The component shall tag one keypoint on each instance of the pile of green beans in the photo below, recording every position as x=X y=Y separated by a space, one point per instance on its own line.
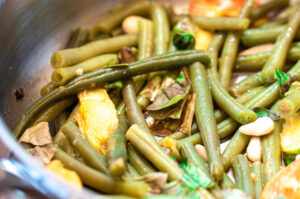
x=137 y=149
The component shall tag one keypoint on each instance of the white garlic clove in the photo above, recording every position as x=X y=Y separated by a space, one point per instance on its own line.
x=261 y=126
x=201 y=151
x=130 y=24
x=254 y=151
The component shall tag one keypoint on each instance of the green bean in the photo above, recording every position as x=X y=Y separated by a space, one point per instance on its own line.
x=274 y=23
x=90 y=155
x=266 y=8
x=205 y=118
x=141 y=165
x=257 y=182
x=256 y=36
x=133 y=110
x=257 y=61
x=194 y=139
x=51 y=111
x=116 y=149
x=280 y=50
x=290 y=104
x=242 y=174
x=61 y=119
x=236 y=110
x=161 y=28
x=230 y=48
x=150 y=149
x=271 y=150
x=145 y=43
x=249 y=82
x=47 y=88
x=78 y=38
x=231 y=106
x=99 y=181
x=98 y=78
x=264 y=99
x=62 y=75
x=69 y=57
x=114 y=19
x=221 y=23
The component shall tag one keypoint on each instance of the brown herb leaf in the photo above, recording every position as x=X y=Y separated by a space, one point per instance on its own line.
x=127 y=55
x=152 y=88
x=186 y=125
x=38 y=135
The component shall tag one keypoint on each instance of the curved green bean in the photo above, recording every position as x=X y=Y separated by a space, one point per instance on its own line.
x=90 y=155
x=230 y=48
x=256 y=36
x=98 y=78
x=249 y=82
x=242 y=174
x=205 y=118
x=161 y=28
x=138 y=162
x=114 y=19
x=51 y=111
x=221 y=23
x=71 y=56
x=99 y=181
x=280 y=50
x=264 y=9
x=150 y=149
x=257 y=61
x=116 y=149
x=61 y=76
x=257 y=182
x=131 y=172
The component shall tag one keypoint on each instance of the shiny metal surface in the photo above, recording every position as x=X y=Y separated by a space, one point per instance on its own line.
x=30 y=31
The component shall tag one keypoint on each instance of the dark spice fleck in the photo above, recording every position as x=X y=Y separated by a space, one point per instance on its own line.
x=19 y=93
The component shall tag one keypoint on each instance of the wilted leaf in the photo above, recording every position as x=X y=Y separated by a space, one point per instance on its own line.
x=152 y=88
x=174 y=90
x=231 y=194
x=186 y=125
x=127 y=55
x=43 y=154
x=156 y=181
x=167 y=81
x=263 y=112
x=38 y=135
